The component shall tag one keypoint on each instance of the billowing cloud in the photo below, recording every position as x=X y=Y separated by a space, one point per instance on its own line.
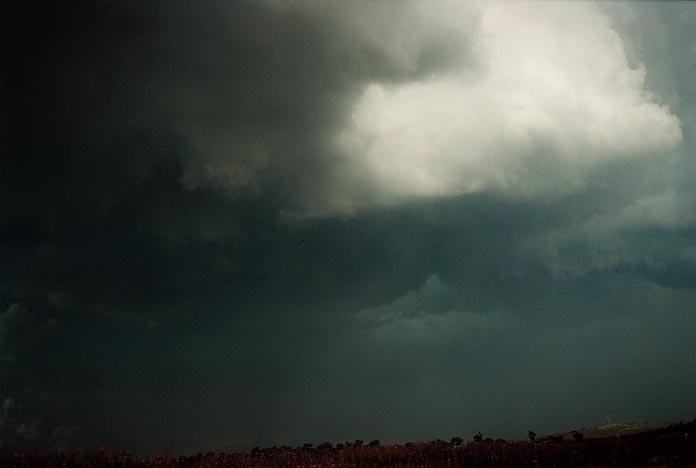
x=555 y=100
x=432 y=298
x=520 y=252
x=270 y=130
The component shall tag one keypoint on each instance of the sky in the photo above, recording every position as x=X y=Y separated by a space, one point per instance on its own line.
x=229 y=224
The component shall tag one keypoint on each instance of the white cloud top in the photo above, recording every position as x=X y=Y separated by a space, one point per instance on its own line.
x=554 y=99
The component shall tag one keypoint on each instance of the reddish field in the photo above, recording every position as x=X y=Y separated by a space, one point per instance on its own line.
x=673 y=446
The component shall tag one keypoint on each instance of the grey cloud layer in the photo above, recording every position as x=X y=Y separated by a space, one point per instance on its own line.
x=190 y=238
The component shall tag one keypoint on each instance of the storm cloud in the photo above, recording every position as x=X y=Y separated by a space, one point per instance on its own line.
x=232 y=224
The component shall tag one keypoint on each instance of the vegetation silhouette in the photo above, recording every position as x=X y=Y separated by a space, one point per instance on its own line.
x=672 y=446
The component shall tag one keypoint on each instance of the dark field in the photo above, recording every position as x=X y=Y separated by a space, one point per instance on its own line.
x=672 y=446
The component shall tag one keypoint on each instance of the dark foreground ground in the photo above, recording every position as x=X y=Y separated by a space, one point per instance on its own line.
x=671 y=446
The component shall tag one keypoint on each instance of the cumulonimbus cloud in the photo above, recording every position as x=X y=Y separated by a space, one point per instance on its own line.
x=555 y=99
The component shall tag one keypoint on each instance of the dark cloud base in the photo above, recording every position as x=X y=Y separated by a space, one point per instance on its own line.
x=145 y=305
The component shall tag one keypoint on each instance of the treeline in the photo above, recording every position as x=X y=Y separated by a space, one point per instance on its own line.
x=673 y=448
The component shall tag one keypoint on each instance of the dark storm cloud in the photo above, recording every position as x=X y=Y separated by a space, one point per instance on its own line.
x=162 y=268
x=235 y=81
x=146 y=155
x=126 y=116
